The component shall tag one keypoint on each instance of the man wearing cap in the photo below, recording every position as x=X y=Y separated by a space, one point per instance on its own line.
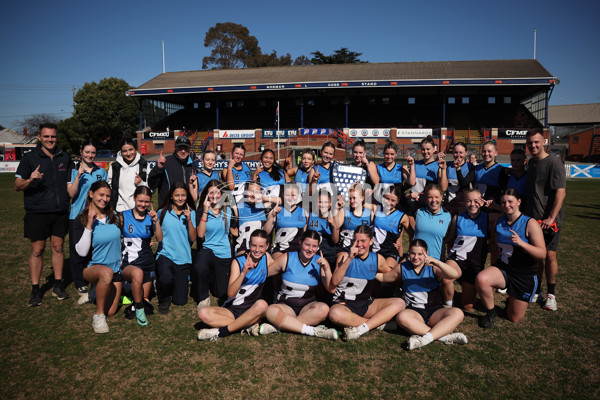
x=177 y=167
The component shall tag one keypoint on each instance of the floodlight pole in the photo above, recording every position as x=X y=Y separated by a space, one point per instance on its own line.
x=163 y=51
x=534 y=42
x=278 y=118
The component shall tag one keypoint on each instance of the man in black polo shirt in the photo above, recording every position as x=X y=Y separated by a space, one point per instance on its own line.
x=42 y=176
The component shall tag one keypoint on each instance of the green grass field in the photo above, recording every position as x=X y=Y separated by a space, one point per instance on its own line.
x=52 y=352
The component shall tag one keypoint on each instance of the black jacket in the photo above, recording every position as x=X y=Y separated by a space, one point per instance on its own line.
x=175 y=170
x=48 y=194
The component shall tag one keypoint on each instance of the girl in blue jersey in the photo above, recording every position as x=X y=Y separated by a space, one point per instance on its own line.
x=487 y=174
x=320 y=175
x=324 y=223
x=213 y=260
x=199 y=180
x=425 y=318
x=301 y=172
x=431 y=223
x=98 y=231
x=521 y=243
x=389 y=225
x=139 y=225
x=236 y=173
x=173 y=258
x=391 y=173
x=427 y=171
x=288 y=221
x=458 y=184
x=244 y=307
x=353 y=280
x=271 y=177
x=469 y=233
x=515 y=177
x=250 y=215
x=78 y=186
x=296 y=308
x=356 y=214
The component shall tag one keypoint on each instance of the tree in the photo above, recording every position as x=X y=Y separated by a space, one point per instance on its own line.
x=105 y=111
x=341 y=56
x=302 y=60
x=2 y=128
x=269 y=60
x=71 y=135
x=33 y=123
x=232 y=46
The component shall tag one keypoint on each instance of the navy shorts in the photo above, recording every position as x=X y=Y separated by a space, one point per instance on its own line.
x=520 y=287
x=425 y=313
x=148 y=270
x=40 y=226
x=237 y=310
x=551 y=239
x=358 y=307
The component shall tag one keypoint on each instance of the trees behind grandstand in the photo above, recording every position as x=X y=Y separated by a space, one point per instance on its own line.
x=234 y=47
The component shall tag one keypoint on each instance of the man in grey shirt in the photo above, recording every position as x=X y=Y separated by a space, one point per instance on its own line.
x=546 y=189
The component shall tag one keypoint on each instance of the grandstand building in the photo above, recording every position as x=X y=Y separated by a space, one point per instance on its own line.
x=469 y=101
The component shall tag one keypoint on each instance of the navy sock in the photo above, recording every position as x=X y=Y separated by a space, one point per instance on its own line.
x=224 y=331
x=551 y=287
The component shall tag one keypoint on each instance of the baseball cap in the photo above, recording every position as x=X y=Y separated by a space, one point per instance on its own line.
x=183 y=141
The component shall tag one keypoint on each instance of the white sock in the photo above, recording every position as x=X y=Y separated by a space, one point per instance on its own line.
x=308 y=330
x=362 y=329
x=427 y=338
x=449 y=303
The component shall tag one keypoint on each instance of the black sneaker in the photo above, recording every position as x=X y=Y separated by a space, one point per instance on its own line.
x=129 y=311
x=164 y=307
x=82 y=289
x=59 y=293
x=488 y=320
x=35 y=299
x=148 y=307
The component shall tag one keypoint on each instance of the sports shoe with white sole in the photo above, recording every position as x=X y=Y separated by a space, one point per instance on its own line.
x=60 y=293
x=538 y=298
x=253 y=330
x=326 y=333
x=140 y=316
x=203 y=303
x=266 y=329
x=350 y=333
x=83 y=299
x=415 y=342
x=208 y=334
x=501 y=291
x=389 y=326
x=99 y=323
x=550 y=303
x=454 y=338
x=35 y=299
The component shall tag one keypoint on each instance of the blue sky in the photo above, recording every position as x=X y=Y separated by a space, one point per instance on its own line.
x=47 y=47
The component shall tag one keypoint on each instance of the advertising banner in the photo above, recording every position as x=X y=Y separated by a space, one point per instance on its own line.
x=316 y=131
x=416 y=133
x=512 y=133
x=283 y=133
x=369 y=133
x=167 y=135
x=237 y=134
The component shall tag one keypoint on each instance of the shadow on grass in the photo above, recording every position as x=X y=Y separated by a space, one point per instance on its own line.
x=588 y=216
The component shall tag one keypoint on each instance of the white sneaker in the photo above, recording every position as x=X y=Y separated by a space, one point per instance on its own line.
x=501 y=291
x=538 y=298
x=550 y=302
x=326 y=333
x=389 y=326
x=264 y=329
x=454 y=338
x=203 y=303
x=350 y=333
x=83 y=299
x=416 y=341
x=99 y=323
x=208 y=334
x=253 y=330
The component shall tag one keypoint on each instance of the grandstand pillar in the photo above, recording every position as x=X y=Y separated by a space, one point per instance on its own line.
x=217 y=112
x=444 y=140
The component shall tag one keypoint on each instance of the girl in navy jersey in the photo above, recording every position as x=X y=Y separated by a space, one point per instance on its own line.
x=288 y=221
x=139 y=225
x=250 y=215
x=487 y=174
x=353 y=280
x=199 y=181
x=391 y=173
x=236 y=173
x=244 y=307
x=521 y=243
x=271 y=177
x=301 y=172
x=296 y=308
x=320 y=176
x=173 y=258
x=324 y=223
x=469 y=233
x=427 y=170
x=388 y=225
x=425 y=317
x=79 y=184
x=458 y=184
x=98 y=230
x=515 y=177
x=356 y=214
x=431 y=223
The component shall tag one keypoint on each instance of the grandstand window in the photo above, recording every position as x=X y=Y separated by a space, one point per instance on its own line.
x=451 y=100
x=207 y=104
x=385 y=100
x=229 y=104
x=507 y=100
x=159 y=146
x=310 y=102
x=575 y=139
x=411 y=100
x=240 y=103
x=491 y=100
x=262 y=103
x=465 y=100
x=333 y=102
x=371 y=101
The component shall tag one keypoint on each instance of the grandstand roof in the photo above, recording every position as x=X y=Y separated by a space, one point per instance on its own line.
x=431 y=73
x=574 y=114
